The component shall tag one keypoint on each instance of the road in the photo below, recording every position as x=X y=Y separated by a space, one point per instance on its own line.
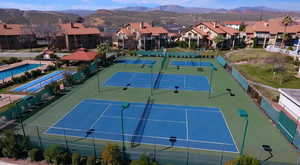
x=25 y=54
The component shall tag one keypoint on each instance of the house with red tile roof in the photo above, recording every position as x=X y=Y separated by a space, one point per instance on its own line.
x=141 y=35
x=233 y=24
x=271 y=32
x=16 y=36
x=81 y=55
x=76 y=35
x=203 y=35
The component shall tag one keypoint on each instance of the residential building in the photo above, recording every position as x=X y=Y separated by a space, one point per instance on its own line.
x=141 y=35
x=289 y=100
x=271 y=32
x=233 y=24
x=76 y=35
x=16 y=36
x=204 y=33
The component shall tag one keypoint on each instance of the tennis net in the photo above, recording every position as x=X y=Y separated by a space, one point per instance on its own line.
x=139 y=131
x=156 y=83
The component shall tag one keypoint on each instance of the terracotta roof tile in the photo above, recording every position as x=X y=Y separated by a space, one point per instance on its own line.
x=273 y=26
x=142 y=27
x=77 y=29
x=12 y=29
x=233 y=22
x=201 y=32
x=214 y=27
x=81 y=55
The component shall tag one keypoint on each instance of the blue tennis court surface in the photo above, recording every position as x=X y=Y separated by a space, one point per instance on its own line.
x=38 y=84
x=137 y=61
x=191 y=63
x=195 y=127
x=159 y=81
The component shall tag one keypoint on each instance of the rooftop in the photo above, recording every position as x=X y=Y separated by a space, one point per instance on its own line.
x=293 y=94
x=81 y=55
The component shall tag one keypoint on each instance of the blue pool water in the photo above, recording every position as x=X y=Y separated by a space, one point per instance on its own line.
x=17 y=70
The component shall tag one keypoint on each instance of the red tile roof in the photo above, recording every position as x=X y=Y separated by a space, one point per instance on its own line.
x=201 y=32
x=81 y=55
x=77 y=29
x=219 y=29
x=142 y=27
x=12 y=30
x=233 y=22
x=214 y=27
x=273 y=26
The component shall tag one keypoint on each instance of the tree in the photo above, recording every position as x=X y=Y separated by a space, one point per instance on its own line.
x=144 y=160
x=103 y=49
x=244 y=160
x=242 y=27
x=111 y=155
x=54 y=154
x=286 y=21
x=47 y=31
x=14 y=146
x=218 y=40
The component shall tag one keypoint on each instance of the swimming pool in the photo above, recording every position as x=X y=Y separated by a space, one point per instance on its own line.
x=17 y=70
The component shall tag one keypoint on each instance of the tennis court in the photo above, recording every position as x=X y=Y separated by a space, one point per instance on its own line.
x=159 y=81
x=137 y=61
x=38 y=84
x=191 y=63
x=201 y=128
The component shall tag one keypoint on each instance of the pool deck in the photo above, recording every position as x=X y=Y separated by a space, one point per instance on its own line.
x=9 y=98
x=44 y=66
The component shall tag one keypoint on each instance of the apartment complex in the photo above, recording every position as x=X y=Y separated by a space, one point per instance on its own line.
x=15 y=36
x=272 y=32
x=141 y=35
x=204 y=34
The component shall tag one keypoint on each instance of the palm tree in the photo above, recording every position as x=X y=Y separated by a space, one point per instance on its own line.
x=286 y=21
x=218 y=39
x=103 y=49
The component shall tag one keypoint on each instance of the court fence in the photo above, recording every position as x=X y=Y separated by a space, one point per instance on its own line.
x=288 y=126
x=169 y=54
x=31 y=104
x=160 y=149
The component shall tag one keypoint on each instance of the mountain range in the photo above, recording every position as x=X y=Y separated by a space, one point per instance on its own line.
x=162 y=15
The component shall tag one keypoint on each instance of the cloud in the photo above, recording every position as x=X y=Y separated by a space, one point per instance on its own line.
x=26 y=6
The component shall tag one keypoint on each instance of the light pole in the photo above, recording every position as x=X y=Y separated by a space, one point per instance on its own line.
x=212 y=68
x=244 y=115
x=124 y=107
x=98 y=80
x=151 y=86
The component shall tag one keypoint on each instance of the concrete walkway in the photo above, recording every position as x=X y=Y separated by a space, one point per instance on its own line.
x=25 y=54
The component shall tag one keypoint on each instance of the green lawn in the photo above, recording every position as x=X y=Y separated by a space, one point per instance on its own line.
x=258 y=65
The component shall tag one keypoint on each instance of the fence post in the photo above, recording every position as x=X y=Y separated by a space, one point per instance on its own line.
x=38 y=133
x=66 y=141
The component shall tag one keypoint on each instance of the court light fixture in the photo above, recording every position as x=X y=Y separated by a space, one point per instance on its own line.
x=244 y=114
x=124 y=107
x=126 y=87
x=173 y=140
x=176 y=89
x=268 y=149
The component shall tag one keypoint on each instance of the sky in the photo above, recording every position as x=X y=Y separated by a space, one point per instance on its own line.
x=113 y=4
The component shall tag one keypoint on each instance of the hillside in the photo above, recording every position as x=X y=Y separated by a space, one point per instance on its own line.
x=116 y=18
x=34 y=17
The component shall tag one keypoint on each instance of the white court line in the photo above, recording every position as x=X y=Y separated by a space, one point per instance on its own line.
x=229 y=131
x=102 y=114
x=187 y=125
x=133 y=118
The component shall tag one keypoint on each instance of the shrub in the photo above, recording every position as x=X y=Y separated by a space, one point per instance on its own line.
x=28 y=75
x=76 y=159
x=50 y=68
x=14 y=146
x=53 y=154
x=91 y=160
x=36 y=73
x=65 y=158
x=243 y=160
x=35 y=154
x=12 y=60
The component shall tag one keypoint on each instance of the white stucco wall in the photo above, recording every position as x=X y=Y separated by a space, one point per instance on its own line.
x=290 y=106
